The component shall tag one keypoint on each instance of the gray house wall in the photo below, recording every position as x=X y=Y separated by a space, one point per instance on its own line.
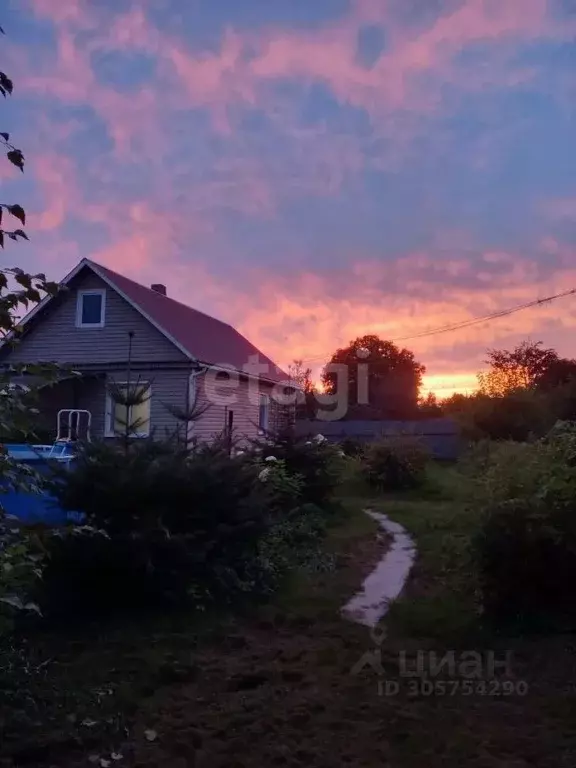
x=244 y=406
x=54 y=337
x=166 y=387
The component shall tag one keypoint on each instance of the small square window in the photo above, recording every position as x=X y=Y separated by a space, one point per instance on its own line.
x=90 y=309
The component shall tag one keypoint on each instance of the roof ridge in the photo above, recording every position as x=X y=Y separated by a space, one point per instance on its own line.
x=162 y=295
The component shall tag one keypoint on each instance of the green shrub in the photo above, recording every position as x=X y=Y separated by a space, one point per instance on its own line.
x=179 y=528
x=316 y=461
x=395 y=463
x=526 y=555
x=21 y=561
x=353 y=447
x=93 y=575
x=526 y=547
x=293 y=542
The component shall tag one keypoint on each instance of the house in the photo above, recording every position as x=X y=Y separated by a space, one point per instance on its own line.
x=117 y=334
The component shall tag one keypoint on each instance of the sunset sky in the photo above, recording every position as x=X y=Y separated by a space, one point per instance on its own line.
x=307 y=170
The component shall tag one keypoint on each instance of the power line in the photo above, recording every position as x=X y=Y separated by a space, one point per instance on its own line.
x=472 y=321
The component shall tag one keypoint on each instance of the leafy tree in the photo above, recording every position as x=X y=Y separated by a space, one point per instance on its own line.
x=382 y=380
x=520 y=368
x=559 y=373
x=18 y=290
x=307 y=404
x=429 y=407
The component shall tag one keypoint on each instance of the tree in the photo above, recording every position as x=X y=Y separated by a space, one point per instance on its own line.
x=18 y=289
x=559 y=373
x=429 y=407
x=307 y=403
x=520 y=368
x=381 y=380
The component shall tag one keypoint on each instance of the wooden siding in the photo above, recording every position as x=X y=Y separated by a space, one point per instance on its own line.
x=53 y=336
x=214 y=420
x=89 y=393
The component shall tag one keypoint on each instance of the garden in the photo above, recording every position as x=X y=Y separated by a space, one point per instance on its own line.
x=194 y=617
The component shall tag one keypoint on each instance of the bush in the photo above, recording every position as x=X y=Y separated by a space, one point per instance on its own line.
x=526 y=554
x=92 y=575
x=178 y=527
x=352 y=447
x=526 y=547
x=160 y=487
x=395 y=463
x=293 y=542
x=316 y=461
x=21 y=560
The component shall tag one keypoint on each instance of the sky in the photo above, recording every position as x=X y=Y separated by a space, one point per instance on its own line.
x=307 y=170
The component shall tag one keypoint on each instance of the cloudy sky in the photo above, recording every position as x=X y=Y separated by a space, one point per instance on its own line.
x=308 y=170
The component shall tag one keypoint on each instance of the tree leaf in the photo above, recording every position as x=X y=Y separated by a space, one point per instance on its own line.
x=5 y=135
x=1 y=239
x=21 y=233
x=16 y=157
x=18 y=212
x=6 y=83
x=12 y=600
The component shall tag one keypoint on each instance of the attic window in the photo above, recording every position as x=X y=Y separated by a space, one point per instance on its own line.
x=91 y=309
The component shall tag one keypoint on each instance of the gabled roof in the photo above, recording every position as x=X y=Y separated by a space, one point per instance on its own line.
x=200 y=337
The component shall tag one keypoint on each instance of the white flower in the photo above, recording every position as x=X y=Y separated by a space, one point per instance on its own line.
x=319 y=439
x=342 y=454
x=270 y=458
x=239 y=453
x=308 y=442
x=264 y=474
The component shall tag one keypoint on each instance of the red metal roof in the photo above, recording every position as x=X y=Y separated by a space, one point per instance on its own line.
x=203 y=337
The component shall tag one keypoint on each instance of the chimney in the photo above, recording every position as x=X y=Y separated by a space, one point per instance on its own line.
x=159 y=288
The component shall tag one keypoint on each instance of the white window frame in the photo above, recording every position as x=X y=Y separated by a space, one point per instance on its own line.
x=79 y=305
x=108 y=425
x=264 y=399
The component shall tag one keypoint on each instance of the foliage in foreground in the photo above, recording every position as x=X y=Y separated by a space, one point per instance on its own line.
x=183 y=528
x=526 y=547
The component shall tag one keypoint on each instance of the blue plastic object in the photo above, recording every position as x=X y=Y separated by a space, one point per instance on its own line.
x=37 y=507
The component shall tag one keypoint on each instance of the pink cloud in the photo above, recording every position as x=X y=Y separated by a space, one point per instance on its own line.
x=56 y=178
x=218 y=80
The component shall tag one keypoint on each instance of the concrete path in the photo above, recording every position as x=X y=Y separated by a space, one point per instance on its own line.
x=387 y=580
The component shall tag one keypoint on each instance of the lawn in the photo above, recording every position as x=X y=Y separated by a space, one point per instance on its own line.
x=281 y=685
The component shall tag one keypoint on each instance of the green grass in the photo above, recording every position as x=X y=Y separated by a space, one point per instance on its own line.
x=280 y=687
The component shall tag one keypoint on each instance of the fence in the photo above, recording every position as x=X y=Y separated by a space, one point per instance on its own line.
x=441 y=436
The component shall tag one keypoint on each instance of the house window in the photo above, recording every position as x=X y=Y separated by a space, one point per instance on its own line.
x=91 y=309
x=134 y=417
x=264 y=413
